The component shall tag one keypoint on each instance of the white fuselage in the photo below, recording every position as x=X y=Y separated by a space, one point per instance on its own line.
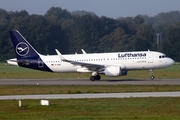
x=126 y=60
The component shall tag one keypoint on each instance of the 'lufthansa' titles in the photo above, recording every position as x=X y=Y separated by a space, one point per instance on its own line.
x=122 y=55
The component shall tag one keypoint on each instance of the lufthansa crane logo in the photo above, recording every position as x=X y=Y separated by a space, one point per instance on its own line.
x=22 y=49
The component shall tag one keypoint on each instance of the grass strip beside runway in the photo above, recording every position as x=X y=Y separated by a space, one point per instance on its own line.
x=98 y=109
x=73 y=89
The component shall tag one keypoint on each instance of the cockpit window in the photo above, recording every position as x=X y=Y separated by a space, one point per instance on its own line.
x=162 y=56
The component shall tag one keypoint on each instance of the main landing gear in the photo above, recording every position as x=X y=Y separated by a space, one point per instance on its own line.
x=151 y=74
x=97 y=77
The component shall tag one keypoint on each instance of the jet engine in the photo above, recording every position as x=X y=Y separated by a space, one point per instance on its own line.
x=114 y=71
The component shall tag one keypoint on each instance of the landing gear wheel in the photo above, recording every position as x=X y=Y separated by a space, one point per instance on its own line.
x=92 y=78
x=152 y=77
x=151 y=74
x=97 y=77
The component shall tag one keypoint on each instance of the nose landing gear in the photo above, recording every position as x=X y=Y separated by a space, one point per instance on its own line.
x=151 y=74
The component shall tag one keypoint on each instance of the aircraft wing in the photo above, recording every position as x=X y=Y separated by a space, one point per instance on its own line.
x=89 y=66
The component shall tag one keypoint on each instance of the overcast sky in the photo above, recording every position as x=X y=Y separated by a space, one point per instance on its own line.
x=109 y=8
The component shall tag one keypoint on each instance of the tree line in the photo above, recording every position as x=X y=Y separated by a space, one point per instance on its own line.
x=69 y=32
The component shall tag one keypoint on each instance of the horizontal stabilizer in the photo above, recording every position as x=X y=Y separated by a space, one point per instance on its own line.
x=12 y=61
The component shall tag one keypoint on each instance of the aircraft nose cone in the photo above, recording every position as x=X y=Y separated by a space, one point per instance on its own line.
x=171 y=62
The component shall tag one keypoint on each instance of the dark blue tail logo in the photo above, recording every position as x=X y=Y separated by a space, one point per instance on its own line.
x=26 y=55
x=22 y=49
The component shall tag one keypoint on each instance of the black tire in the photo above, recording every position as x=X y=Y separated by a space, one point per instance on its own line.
x=92 y=78
x=152 y=77
x=98 y=77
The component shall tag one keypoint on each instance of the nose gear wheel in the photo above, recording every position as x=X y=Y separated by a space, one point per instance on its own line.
x=151 y=74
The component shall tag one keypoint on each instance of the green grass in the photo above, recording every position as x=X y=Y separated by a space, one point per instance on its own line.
x=72 y=89
x=9 y=72
x=96 y=109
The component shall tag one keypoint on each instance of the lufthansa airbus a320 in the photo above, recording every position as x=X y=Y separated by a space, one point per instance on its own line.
x=110 y=64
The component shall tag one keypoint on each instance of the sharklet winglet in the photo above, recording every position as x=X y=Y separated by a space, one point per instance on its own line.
x=83 y=51
x=60 y=55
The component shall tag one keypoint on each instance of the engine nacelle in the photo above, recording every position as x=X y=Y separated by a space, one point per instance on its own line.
x=114 y=71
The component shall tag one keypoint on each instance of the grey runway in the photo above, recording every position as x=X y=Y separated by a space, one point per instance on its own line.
x=88 y=82
x=96 y=95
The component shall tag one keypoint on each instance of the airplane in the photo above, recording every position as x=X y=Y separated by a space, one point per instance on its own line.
x=110 y=64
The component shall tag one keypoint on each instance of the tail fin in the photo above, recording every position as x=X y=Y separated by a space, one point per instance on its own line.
x=21 y=46
x=26 y=55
